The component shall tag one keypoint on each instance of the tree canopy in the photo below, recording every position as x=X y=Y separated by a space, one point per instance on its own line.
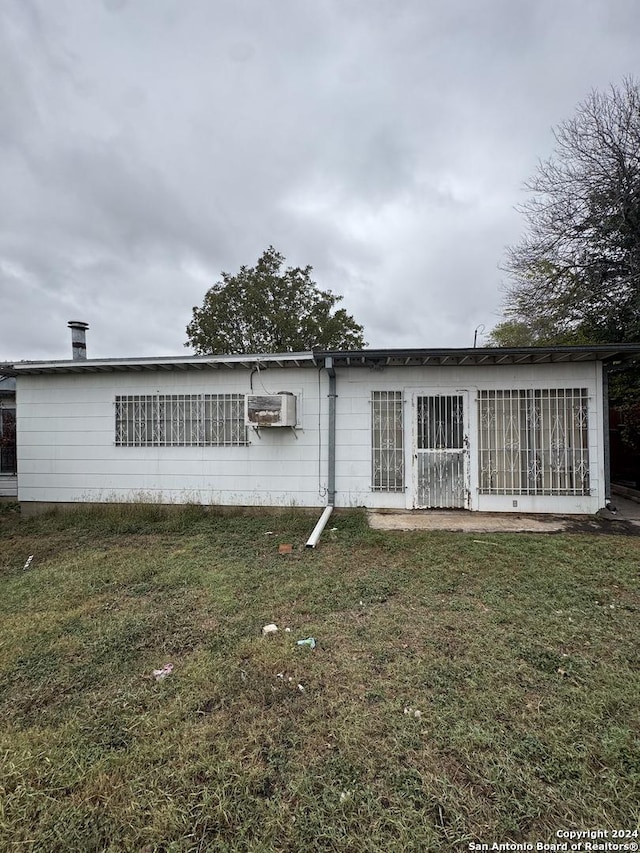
x=575 y=276
x=267 y=308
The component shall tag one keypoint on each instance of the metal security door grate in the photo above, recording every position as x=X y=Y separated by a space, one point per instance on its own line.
x=440 y=452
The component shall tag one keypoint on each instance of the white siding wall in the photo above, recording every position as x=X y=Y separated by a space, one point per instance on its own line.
x=8 y=486
x=67 y=451
x=353 y=441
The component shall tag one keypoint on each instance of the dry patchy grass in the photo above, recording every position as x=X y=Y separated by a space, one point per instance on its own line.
x=520 y=657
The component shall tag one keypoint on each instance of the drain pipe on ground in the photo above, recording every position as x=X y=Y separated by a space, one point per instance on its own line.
x=312 y=541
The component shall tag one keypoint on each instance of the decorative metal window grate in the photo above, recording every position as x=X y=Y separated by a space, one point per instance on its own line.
x=440 y=423
x=534 y=442
x=387 y=441
x=8 y=460
x=180 y=420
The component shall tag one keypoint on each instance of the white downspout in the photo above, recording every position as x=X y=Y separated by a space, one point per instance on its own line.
x=312 y=541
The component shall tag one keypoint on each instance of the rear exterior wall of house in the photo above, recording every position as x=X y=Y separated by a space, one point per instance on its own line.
x=104 y=437
x=521 y=438
x=530 y=437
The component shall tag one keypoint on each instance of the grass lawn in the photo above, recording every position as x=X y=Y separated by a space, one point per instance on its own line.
x=464 y=688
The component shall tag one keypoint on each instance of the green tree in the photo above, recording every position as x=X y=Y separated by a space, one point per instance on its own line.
x=517 y=333
x=575 y=276
x=270 y=309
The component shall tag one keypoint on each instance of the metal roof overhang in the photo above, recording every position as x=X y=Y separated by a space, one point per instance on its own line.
x=178 y=363
x=371 y=358
x=608 y=353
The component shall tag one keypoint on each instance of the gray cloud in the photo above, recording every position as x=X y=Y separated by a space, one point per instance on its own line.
x=145 y=147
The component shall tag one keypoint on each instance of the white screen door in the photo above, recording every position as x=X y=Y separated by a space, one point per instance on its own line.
x=440 y=452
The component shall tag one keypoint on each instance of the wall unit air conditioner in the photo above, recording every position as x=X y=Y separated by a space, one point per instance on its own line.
x=270 y=410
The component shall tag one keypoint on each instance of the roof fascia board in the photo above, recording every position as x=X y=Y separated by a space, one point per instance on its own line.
x=483 y=355
x=298 y=359
x=342 y=358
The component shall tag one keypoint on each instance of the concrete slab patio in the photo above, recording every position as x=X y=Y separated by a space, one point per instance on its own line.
x=626 y=520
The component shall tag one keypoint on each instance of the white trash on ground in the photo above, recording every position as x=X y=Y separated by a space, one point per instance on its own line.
x=411 y=712
x=166 y=670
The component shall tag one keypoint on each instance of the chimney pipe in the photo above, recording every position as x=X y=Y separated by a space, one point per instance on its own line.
x=78 y=339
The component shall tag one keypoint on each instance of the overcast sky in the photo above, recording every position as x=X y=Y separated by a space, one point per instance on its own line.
x=147 y=145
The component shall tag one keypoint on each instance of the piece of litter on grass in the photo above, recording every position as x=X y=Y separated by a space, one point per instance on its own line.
x=334 y=530
x=411 y=712
x=300 y=688
x=268 y=533
x=288 y=630
x=28 y=563
x=285 y=549
x=310 y=641
x=280 y=675
x=271 y=628
x=166 y=670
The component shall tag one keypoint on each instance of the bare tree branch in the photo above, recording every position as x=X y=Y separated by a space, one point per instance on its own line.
x=575 y=275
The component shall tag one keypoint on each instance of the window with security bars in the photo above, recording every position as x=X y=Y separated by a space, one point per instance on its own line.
x=387 y=441
x=534 y=442
x=180 y=420
x=8 y=461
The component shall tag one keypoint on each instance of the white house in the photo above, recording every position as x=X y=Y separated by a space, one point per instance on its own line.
x=508 y=430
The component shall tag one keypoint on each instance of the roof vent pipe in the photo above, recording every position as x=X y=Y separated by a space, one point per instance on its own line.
x=78 y=339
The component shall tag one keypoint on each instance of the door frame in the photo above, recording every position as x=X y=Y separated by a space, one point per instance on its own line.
x=412 y=445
